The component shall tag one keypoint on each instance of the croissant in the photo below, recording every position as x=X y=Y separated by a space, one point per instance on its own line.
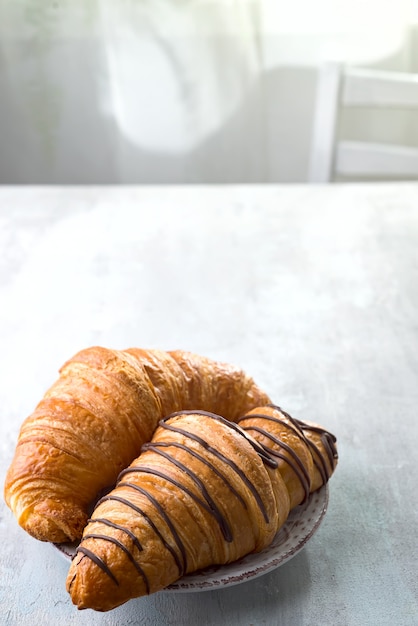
x=204 y=491
x=93 y=421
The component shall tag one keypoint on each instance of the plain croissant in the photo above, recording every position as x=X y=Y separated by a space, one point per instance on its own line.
x=93 y=421
x=204 y=491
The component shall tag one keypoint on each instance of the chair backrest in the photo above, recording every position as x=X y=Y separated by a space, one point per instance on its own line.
x=340 y=87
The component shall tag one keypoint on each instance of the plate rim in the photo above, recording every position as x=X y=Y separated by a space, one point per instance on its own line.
x=182 y=586
x=217 y=577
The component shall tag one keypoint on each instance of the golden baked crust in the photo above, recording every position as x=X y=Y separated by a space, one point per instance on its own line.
x=93 y=421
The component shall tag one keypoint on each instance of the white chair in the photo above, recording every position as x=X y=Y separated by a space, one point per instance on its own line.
x=340 y=87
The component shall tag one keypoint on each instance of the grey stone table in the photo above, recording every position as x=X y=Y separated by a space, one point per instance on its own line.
x=312 y=290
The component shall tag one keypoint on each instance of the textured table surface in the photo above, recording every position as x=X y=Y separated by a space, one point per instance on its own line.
x=312 y=290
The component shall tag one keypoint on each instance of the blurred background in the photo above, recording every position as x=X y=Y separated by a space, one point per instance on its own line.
x=184 y=91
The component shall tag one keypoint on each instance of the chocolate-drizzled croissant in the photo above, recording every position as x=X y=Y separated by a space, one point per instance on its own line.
x=204 y=491
x=93 y=421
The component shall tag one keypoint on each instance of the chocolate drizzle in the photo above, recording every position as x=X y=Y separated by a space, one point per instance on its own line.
x=182 y=567
x=269 y=456
x=328 y=441
x=207 y=503
x=266 y=458
x=174 y=444
x=130 y=534
x=293 y=460
x=299 y=428
x=143 y=514
x=221 y=456
x=99 y=562
x=120 y=545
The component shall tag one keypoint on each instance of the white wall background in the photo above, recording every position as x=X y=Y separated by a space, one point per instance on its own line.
x=122 y=91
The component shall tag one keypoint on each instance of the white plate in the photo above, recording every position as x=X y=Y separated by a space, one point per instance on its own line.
x=301 y=524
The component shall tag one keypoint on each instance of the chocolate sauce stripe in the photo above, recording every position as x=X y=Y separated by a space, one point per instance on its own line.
x=316 y=429
x=303 y=426
x=223 y=458
x=164 y=515
x=150 y=522
x=196 y=455
x=107 y=522
x=297 y=423
x=328 y=439
x=259 y=449
x=226 y=530
x=290 y=425
x=122 y=547
x=283 y=445
x=148 y=470
x=329 y=447
x=99 y=562
x=294 y=425
x=298 y=467
x=321 y=465
x=331 y=452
